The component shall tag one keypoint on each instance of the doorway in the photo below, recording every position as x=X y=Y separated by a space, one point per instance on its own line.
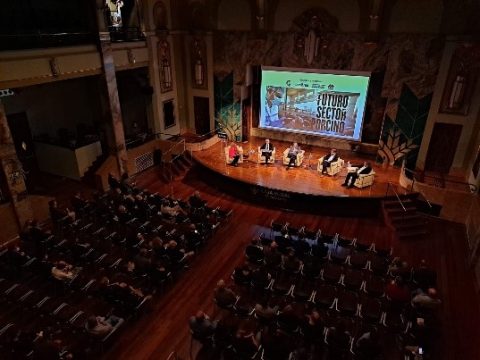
x=201 y=109
x=442 y=148
x=22 y=138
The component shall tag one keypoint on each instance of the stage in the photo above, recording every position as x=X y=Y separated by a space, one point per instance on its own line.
x=300 y=187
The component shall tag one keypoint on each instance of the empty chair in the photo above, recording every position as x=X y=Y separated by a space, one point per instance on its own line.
x=312 y=267
x=302 y=248
x=358 y=260
x=378 y=265
x=325 y=295
x=353 y=279
x=332 y=273
x=347 y=303
x=319 y=250
x=340 y=254
x=362 y=246
x=375 y=286
x=303 y=290
x=254 y=254
x=283 y=284
x=338 y=340
x=371 y=310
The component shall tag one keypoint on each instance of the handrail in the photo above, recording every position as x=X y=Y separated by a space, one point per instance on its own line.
x=473 y=187
x=419 y=190
x=157 y=134
x=428 y=201
x=170 y=150
x=389 y=184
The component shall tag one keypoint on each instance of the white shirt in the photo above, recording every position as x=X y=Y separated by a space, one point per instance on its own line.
x=330 y=159
x=361 y=169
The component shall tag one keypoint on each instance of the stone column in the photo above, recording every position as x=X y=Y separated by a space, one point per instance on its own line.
x=117 y=143
x=113 y=112
x=12 y=168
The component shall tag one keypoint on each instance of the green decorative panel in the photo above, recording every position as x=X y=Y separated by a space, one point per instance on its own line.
x=402 y=137
x=228 y=114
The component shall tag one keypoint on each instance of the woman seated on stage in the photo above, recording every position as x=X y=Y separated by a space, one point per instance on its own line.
x=234 y=153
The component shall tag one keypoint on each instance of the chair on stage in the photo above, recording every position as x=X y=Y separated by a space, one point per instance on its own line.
x=335 y=166
x=300 y=156
x=228 y=159
x=261 y=158
x=365 y=180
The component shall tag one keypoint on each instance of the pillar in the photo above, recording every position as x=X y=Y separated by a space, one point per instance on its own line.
x=12 y=168
x=113 y=113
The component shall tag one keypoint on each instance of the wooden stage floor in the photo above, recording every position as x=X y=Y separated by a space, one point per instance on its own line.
x=305 y=179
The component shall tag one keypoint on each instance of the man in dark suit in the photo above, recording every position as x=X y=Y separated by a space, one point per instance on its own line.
x=352 y=176
x=266 y=149
x=328 y=159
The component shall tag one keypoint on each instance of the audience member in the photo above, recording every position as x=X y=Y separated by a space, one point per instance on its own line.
x=424 y=276
x=338 y=339
x=196 y=201
x=312 y=327
x=287 y=319
x=426 y=300
x=273 y=257
x=224 y=296
x=58 y=214
x=63 y=271
x=367 y=346
x=113 y=182
x=100 y=326
x=397 y=291
x=242 y=275
x=201 y=326
x=264 y=311
x=245 y=344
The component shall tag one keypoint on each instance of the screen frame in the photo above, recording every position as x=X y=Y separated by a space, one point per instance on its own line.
x=367 y=74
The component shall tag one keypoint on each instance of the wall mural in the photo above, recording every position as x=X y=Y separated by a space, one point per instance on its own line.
x=401 y=59
x=401 y=137
x=227 y=112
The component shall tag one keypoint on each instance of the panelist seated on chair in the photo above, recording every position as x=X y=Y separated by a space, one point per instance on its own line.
x=330 y=164
x=266 y=153
x=234 y=154
x=355 y=172
x=293 y=156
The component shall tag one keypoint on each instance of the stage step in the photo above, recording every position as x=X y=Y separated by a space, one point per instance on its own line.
x=405 y=223
x=411 y=233
x=408 y=218
x=178 y=168
x=394 y=204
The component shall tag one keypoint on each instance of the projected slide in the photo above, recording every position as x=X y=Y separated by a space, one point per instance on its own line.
x=317 y=103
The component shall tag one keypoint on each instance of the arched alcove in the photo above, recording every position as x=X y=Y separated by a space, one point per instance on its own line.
x=346 y=11
x=416 y=16
x=234 y=15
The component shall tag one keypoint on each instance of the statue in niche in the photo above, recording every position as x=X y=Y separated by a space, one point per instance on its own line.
x=114 y=9
x=311 y=29
x=461 y=80
x=165 y=66
x=160 y=18
x=198 y=63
